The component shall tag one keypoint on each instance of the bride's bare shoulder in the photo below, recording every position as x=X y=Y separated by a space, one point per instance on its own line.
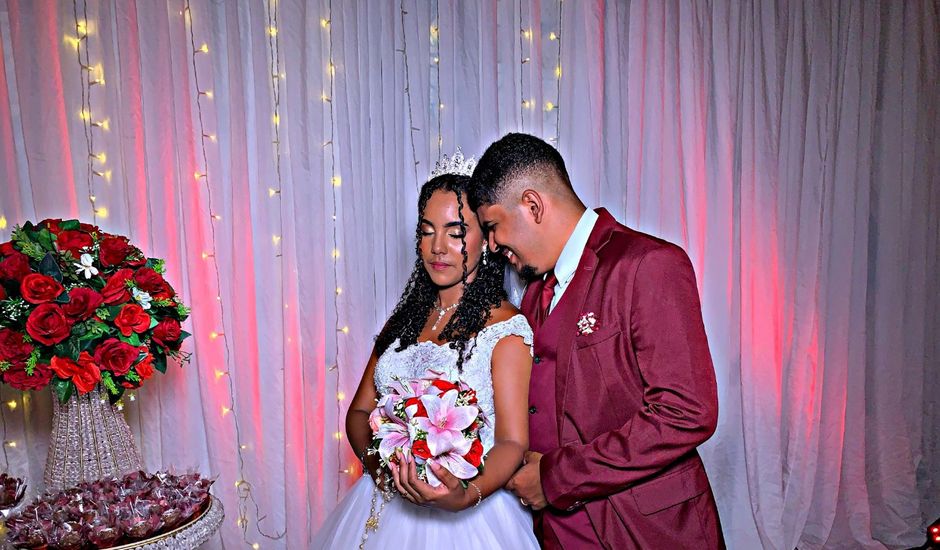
x=503 y=312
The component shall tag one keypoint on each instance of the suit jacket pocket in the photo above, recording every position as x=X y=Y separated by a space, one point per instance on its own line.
x=673 y=488
x=602 y=334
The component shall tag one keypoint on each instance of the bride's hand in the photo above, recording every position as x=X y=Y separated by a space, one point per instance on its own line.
x=450 y=495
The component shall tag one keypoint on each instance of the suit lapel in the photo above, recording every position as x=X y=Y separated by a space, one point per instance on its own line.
x=571 y=306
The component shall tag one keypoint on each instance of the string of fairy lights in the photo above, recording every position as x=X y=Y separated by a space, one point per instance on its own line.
x=411 y=120
x=526 y=48
x=335 y=183
x=438 y=105
x=243 y=487
x=90 y=76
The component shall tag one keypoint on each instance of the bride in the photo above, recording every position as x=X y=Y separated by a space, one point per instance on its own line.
x=453 y=316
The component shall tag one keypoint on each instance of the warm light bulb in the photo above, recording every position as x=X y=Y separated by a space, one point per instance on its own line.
x=102 y=212
x=440 y=106
x=324 y=23
x=276 y=239
x=437 y=59
x=216 y=217
x=336 y=181
x=214 y=335
x=225 y=411
x=207 y=93
x=84 y=114
x=72 y=41
x=527 y=33
x=205 y=255
x=344 y=330
x=255 y=546
x=11 y=443
x=12 y=404
x=549 y=105
x=526 y=60
x=198 y=175
x=243 y=446
x=204 y=48
x=331 y=68
x=3 y=222
x=277 y=119
x=339 y=290
x=103 y=124
x=558 y=71
x=434 y=32
x=272 y=31
x=337 y=436
x=324 y=97
x=102 y=157
x=335 y=253
x=219 y=374
x=552 y=36
x=81 y=27
x=272 y=191
x=106 y=175
x=340 y=396
x=92 y=198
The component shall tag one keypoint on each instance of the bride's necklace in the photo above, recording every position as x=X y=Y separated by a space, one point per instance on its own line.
x=441 y=312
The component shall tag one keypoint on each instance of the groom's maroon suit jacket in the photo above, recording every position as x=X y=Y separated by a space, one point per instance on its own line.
x=619 y=412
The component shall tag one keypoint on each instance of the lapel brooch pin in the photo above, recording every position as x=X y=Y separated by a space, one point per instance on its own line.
x=587 y=324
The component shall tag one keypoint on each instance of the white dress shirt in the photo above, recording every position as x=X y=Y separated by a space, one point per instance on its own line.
x=570 y=257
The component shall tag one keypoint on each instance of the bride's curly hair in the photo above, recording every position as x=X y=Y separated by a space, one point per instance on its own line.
x=480 y=296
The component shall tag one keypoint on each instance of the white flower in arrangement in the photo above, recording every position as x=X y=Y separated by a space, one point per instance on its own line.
x=85 y=264
x=587 y=324
x=143 y=298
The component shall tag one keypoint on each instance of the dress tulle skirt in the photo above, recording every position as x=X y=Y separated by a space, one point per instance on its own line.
x=498 y=522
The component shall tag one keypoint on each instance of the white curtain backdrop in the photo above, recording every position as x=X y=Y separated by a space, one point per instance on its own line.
x=791 y=147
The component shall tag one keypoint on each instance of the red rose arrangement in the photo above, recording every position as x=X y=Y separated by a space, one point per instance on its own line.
x=435 y=419
x=80 y=307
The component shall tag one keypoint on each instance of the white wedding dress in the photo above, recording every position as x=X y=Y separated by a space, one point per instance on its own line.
x=499 y=521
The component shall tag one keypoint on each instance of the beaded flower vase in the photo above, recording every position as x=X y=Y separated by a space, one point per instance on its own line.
x=90 y=440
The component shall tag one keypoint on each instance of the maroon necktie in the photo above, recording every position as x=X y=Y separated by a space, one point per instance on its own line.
x=545 y=298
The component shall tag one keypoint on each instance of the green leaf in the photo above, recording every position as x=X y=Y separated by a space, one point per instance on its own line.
x=46 y=239
x=5 y=365
x=49 y=267
x=113 y=311
x=153 y=322
x=70 y=225
x=63 y=389
x=133 y=339
x=159 y=361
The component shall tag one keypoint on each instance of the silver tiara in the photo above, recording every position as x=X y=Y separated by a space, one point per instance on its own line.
x=456 y=164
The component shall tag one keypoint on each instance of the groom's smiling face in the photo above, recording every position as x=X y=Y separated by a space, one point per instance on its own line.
x=511 y=231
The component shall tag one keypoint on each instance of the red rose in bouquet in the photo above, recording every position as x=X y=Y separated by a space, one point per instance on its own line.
x=13 y=348
x=167 y=334
x=14 y=267
x=145 y=367
x=475 y=456
x=420 y=449
x=115 y=291
x=153 y=283
x=116 y=356
x=131 y=319
x=84 y=373
x=82 y=303
x=114 y=250
x=19 y=379
x=48 y=324
x=73 y=242
x=39 y=289
x=83 y=309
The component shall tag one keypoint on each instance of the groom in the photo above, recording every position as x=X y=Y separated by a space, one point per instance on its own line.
x=623 y=388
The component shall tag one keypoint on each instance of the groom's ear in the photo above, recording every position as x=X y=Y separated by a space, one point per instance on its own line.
x=533 y=204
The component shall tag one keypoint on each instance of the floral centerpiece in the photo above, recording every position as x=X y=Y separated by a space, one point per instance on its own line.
x=87 y=314
x=80 y=307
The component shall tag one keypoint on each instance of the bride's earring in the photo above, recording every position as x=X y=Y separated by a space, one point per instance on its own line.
x=484 y=252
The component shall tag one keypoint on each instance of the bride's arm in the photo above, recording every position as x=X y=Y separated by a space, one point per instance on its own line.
x=357 y=418
x=511 y=366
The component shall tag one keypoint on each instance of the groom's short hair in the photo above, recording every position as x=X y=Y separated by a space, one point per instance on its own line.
x=505 y=160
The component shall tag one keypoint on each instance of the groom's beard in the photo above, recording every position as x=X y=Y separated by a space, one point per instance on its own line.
x=528 y=273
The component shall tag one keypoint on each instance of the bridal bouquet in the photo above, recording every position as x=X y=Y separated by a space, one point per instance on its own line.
x=80 y=307
x=437 y=420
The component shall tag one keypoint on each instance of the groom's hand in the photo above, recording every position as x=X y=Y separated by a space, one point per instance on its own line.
x=527 y=482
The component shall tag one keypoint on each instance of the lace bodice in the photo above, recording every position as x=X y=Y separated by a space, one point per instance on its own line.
x=413 y=362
